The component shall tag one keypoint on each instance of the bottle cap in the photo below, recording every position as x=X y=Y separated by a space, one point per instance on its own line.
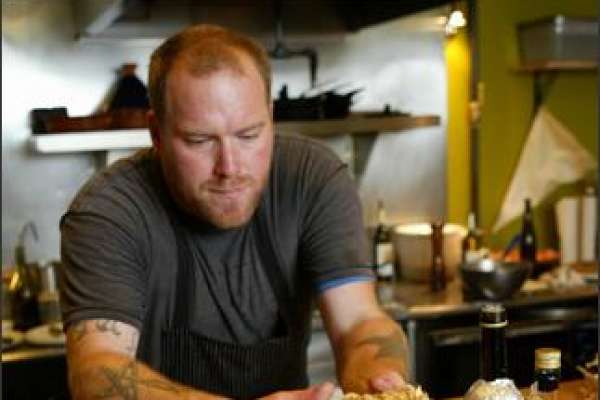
x=493 y=316
x=547 y=358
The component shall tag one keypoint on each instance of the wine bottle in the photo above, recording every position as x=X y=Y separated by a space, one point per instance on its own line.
x=547 y=374
x=383 y=252
x=471 y=244
x=528 y=242
x=493 y=362
x=495 y=382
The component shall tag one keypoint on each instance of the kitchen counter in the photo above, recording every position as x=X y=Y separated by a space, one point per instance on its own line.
x=416 y=301
x=443 y=330
x=405 y=301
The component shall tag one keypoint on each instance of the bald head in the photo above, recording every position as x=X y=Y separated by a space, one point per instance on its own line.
x=202 y=50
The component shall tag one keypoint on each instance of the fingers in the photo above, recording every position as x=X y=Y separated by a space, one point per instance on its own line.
x=387 y=382
x=323 y=391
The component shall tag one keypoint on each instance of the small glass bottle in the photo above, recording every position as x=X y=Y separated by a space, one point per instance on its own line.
x=547 y=374
x=471 y=244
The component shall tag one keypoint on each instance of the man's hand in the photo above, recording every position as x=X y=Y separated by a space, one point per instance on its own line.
x=387 y=381
x=371 y=349
x=324 y=391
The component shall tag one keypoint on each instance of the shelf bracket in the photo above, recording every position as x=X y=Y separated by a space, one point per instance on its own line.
x=542 y=83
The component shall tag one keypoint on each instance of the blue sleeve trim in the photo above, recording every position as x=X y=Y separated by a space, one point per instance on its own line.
x=333 y=283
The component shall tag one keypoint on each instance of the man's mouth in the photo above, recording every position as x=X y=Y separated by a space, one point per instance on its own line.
x=225 y=190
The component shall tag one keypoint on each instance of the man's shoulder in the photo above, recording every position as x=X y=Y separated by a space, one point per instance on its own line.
x=123 y=181
x=301 y=151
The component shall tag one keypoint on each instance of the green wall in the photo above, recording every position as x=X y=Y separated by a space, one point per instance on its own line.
x=508 y=107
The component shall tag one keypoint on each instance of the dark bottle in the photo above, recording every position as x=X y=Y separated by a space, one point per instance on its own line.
x=383 y=252
x=493 y=323
x=547 y=374
x=438 y=267
x=528 y=242
x=471 y=244
x=494 y=383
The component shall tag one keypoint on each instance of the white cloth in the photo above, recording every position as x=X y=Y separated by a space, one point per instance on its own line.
x=551 y=157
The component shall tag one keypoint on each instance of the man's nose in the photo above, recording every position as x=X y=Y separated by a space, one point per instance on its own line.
x=227 y=159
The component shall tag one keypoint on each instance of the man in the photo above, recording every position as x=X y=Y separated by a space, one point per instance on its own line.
x=189 y=269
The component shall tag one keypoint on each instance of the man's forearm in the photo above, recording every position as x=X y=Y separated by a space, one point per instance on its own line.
x=372 y=346
x=115 y=376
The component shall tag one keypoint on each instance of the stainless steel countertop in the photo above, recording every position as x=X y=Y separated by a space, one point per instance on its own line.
x=412 y=301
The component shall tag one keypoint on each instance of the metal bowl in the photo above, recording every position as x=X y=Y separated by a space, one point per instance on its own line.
x=493 y=280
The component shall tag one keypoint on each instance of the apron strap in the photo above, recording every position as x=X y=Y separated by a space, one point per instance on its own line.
x=272 y=264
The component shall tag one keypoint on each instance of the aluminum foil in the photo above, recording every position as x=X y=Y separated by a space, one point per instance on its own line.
x=500 y=389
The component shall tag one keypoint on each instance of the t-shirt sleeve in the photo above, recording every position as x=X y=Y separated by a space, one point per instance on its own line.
x=102 y=274
x=333 y=241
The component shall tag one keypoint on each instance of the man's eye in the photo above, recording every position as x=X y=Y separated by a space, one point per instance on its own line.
x=248 y=136
x=199 y=140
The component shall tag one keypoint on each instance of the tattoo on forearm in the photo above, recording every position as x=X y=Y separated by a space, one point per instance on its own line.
x=124 y=383
x=393 y=345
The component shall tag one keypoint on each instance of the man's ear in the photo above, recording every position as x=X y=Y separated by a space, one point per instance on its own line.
x=154 y=127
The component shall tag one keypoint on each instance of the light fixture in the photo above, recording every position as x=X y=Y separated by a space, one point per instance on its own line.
x=455 y=21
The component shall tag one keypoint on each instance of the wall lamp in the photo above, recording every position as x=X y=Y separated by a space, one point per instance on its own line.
x=455 y=20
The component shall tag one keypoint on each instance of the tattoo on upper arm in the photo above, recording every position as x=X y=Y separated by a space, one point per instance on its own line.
x=82 y=328
x=79 y=330
x=133 y=342
x=107 y=325
x=393 y=345
x=124 y=383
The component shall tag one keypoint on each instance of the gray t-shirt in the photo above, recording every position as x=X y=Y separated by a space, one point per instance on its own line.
x=119 y=251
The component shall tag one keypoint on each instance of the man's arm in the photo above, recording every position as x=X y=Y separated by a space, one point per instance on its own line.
x=102 y=365
x=371 y=349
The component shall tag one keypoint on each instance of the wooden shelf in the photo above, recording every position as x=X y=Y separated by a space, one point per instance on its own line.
x=358 y=123
x=76 y=142
x=558 y=65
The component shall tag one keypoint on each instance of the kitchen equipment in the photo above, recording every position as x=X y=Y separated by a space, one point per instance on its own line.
x=321 y=105
x=46 y=335
x=493 y=280
x=576 y=223
x=559 y=38
x=413 y=248
x=48 y=297
x=10 y=337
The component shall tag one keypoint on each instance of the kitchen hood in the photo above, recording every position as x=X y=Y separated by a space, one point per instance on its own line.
x=305 y=21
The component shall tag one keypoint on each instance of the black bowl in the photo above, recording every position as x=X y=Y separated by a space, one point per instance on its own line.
x=493 y=280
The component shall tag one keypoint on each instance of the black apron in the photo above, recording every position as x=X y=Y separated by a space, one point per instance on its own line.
x=229 y=369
